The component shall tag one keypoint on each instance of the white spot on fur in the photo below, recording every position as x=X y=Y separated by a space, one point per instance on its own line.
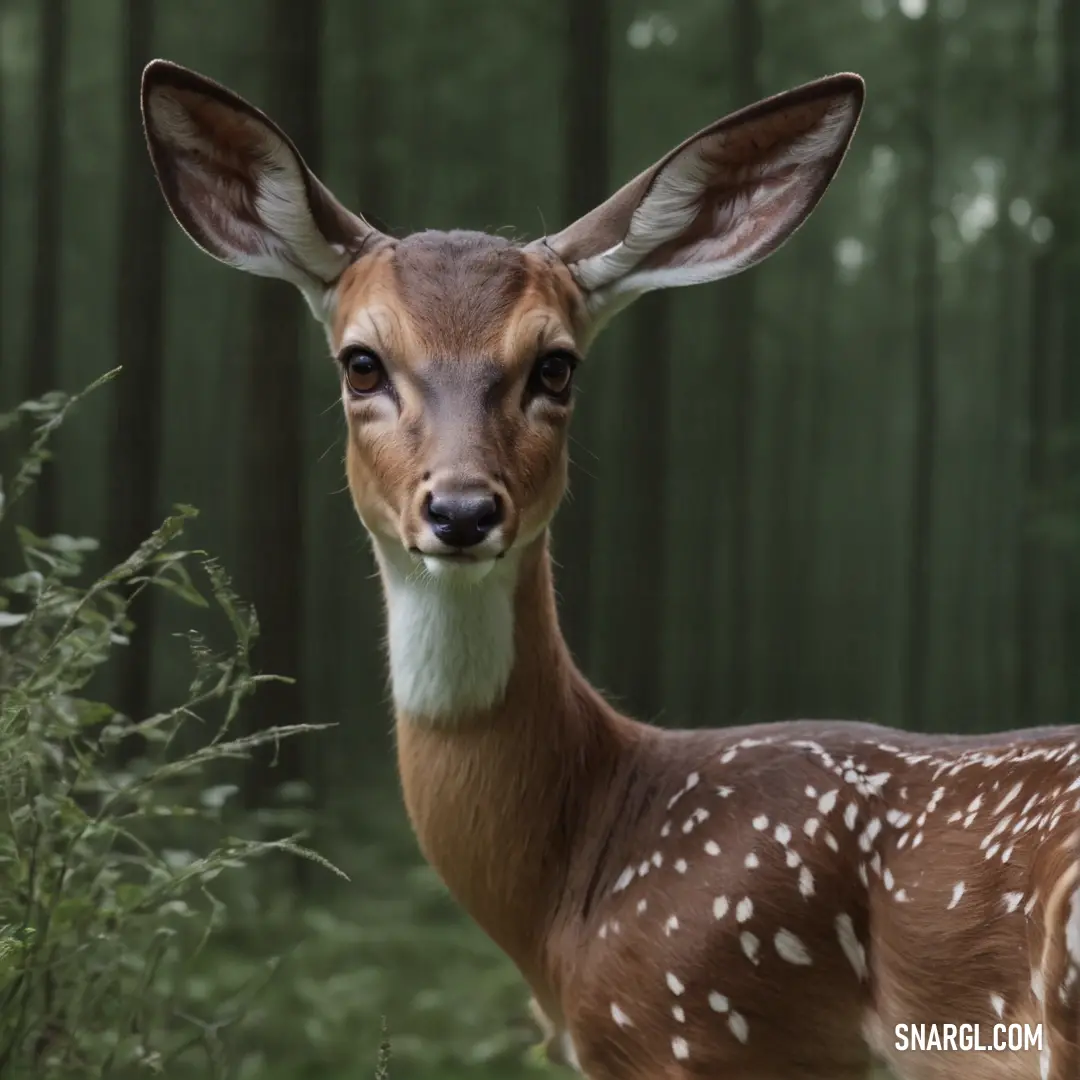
x=680 y=866
x=851 y=946
x=851 y=816
x=750 y=945
x=680 y=1048
x=751 y=861
x=810 y=827
x=827 y=802
x=1012 y=900
x=791 y=949
x=739 y=1027
x=997 y=1003
x=679 y=1013
x=1013 y=792
x=869 y=834
x=620 y=1017
x=712 y=847
x=717 y=1002
x=830 y=841
x=674 y=983
x=744 y=909
x=761 y=822
x=671 y=925
x=1072 y=927
x=957 y=892
x=806 y=882
x=720 y=907
x=782 y=834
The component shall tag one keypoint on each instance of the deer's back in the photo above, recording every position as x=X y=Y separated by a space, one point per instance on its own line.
x=784 y=896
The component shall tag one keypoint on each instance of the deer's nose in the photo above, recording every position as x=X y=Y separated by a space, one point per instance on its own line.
x=463 y=518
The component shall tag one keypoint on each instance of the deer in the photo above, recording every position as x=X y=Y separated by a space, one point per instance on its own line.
x=752 y=902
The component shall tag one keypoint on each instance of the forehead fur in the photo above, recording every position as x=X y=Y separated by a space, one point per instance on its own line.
x=459 y=291
x=459 y=287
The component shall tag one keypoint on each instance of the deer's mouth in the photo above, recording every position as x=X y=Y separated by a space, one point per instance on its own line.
x=455 y=565
x=450 y=556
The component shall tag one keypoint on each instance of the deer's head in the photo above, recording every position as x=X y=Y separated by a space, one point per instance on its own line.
x=456 y=351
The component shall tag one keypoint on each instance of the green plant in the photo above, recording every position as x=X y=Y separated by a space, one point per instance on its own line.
x=107 y=871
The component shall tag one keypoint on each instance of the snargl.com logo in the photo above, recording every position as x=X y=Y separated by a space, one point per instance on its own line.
x=942 y=1037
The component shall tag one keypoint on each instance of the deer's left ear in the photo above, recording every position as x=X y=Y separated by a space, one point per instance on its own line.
x=239 y=187
x=719 y=203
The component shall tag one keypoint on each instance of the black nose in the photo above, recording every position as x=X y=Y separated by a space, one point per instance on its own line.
x=463 y=518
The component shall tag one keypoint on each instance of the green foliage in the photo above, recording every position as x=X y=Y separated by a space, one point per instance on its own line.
x=393 y=945
x=108 y=871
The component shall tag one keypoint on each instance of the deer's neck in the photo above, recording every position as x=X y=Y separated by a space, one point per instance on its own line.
x=505 y=751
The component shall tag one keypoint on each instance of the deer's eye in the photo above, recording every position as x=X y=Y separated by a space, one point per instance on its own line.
x=364 y=372
x=553 y=373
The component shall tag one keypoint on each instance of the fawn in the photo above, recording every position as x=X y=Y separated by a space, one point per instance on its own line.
x=767 y=901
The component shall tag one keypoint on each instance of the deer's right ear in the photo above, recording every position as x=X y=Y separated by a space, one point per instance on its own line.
x=238 y=186
x=717 y=204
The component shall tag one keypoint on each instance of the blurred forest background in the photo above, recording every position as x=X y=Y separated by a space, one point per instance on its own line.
x=844 y=484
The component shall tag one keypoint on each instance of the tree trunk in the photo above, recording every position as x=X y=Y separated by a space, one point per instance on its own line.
x=640 y=485
x=135 y=448
x=1048 y=622
x=587 y=175
x=805 y=633
x=739 y=315
x=372 y=189
x=349 y=596
x=1066 y=217
x=914 y=711
x=273 y=505
x=43 y=357
x=1006 y=482
x=3 y=206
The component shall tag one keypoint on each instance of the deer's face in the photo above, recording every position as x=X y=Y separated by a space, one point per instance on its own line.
x=456 y=350
x=456 y=354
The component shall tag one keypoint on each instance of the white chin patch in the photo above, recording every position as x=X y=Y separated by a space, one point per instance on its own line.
x=467 y=572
